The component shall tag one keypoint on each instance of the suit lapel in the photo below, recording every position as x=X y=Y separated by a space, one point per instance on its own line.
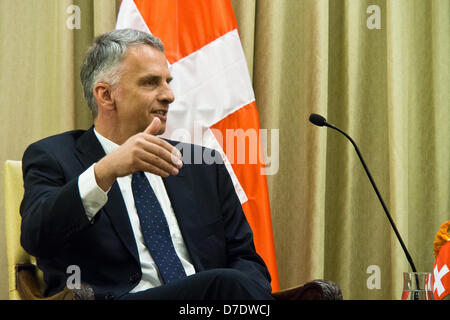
x=89 y=151
x=180 y=193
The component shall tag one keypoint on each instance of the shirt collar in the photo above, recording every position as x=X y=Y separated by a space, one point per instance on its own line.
x=108 y=145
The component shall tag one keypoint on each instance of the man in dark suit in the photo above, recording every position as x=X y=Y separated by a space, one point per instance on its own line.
x=97 y=199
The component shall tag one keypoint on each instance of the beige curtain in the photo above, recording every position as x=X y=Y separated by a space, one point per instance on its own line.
x=388 y=88
x=40 y=90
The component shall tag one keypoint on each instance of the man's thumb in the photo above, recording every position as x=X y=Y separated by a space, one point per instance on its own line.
x=153 y=127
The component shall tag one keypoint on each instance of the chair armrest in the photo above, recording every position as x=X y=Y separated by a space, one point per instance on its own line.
x=314 y=290
x=28 y=287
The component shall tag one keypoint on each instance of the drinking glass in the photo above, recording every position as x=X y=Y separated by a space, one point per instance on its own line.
x=417 y=286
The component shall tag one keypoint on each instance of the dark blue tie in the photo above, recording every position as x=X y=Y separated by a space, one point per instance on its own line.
x=156 y=230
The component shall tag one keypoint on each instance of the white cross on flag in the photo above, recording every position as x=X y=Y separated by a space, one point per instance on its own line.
x=213 y=96
x=441 y=273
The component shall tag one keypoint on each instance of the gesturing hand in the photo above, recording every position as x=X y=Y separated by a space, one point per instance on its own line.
x=141 y=152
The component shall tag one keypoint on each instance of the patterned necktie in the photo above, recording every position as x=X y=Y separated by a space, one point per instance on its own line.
x=156 y=230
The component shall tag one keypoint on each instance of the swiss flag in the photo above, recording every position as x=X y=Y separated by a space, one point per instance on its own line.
x=213 y=96
x=441 y=273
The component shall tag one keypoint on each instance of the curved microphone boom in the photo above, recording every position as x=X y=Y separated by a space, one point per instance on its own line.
x=320 y=121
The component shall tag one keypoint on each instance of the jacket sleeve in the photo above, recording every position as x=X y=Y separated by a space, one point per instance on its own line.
x=241 y=253
x=51 y=209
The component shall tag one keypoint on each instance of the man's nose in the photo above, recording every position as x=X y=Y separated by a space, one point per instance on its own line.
x=167 y=95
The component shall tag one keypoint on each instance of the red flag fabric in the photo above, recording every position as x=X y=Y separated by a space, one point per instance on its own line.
x=441 y=269
x=214 y=99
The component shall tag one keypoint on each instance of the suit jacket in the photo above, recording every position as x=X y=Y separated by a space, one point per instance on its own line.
x=57 y=232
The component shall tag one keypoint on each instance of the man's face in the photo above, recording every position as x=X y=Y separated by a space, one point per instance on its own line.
x=143 y=92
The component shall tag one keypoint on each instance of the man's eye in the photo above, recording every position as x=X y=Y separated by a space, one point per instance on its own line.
x=151 y=82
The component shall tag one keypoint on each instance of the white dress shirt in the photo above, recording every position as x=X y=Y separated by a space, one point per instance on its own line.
x=94 y=198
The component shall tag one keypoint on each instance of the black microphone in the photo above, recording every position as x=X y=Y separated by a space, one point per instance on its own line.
x=320 y=121
x=317 y=119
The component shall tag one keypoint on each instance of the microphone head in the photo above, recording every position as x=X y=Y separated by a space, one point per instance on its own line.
x=317 y=119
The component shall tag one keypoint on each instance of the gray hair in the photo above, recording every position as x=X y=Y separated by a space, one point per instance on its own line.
x=102 y=60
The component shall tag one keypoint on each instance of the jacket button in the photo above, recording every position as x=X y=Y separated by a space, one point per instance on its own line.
x=134 y=277
x=109 y=296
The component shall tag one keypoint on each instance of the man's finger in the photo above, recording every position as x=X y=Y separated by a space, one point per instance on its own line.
x=163 y=144
x=163 y=150
x=153 y=127
x=148 y=167
x=155 y=164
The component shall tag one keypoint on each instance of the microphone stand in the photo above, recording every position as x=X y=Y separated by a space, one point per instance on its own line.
x=388 y=215
x=413 y=267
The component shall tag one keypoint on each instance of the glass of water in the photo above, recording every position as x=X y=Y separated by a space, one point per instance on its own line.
x=417 y=286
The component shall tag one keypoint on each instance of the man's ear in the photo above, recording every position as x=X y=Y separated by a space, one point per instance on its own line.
x=103 y=95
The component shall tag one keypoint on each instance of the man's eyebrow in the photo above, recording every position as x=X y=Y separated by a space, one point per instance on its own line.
x=151 y=77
